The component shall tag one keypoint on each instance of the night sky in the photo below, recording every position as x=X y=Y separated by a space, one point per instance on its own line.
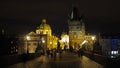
x=21 y=17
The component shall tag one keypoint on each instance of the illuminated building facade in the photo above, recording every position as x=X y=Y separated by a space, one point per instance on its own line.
x=41 y=40
x=35 y=43
x=77 y=35
x=64 y=41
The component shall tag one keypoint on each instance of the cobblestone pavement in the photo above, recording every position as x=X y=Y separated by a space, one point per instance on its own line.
x=68 y=60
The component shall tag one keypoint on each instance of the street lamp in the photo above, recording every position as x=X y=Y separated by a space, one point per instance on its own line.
x=50 y=43
x=84 y=42
x=93 y=37
x=27 y=39
x=93 y=41
x=43 y=40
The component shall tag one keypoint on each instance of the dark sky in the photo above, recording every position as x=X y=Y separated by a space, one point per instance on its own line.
x=23 y=16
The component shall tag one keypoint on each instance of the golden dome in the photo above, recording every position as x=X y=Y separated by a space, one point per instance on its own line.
x=44 y=26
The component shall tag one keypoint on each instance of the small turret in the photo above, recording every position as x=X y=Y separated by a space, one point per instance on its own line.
x=74 y=14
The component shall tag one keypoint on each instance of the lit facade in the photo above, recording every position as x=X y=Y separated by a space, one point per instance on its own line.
x=90 y=40
x=41 y=40
x=52 y=44
x=35 y=43
x=64 y=41
x=77 y=35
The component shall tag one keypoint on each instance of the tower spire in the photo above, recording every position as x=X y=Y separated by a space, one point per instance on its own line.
x=74 y=14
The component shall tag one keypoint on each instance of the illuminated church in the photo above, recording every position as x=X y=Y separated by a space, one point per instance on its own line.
x=41 y=40
x=44 y=28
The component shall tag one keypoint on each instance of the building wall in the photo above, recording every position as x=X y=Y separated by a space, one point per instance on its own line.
x=35 y=43
x=9 y=44
x=76 y=33
x=108 y=45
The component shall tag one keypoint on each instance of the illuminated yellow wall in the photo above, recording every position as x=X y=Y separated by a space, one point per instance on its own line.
x=52 y=42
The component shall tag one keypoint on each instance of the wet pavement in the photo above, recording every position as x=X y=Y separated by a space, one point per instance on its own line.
x=68 y=60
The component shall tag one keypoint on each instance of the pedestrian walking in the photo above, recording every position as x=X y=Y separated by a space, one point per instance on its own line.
x=65 y=47
x=78 y=52
x=81 y=52
x=51 y=53
x=60 y=52
x=48 y=52
x=54 y=54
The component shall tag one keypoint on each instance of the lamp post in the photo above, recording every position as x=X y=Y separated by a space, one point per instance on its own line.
x=27 y=39
x=93 y=38
x=93 y=41
x=51 y=45
x=43 y=44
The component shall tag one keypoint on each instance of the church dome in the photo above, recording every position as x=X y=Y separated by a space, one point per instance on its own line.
x=44 y=26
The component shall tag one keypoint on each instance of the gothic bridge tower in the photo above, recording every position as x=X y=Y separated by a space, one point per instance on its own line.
x=76 y=28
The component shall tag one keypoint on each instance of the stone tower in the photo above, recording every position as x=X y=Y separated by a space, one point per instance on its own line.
x=76 y=28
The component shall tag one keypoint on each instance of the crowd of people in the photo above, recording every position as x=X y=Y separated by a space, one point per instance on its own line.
x=53 y=53
x=57 y=52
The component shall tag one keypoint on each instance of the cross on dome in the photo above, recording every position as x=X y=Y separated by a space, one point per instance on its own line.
x=44 y=21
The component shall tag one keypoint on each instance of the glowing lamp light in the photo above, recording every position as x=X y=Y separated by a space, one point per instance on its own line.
x=43 y=41
x=93 y=37
x=56 y=43
x=50 y=42
x=84 y=42
x=65 y=38
x=28 y=37
x=114 y=52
